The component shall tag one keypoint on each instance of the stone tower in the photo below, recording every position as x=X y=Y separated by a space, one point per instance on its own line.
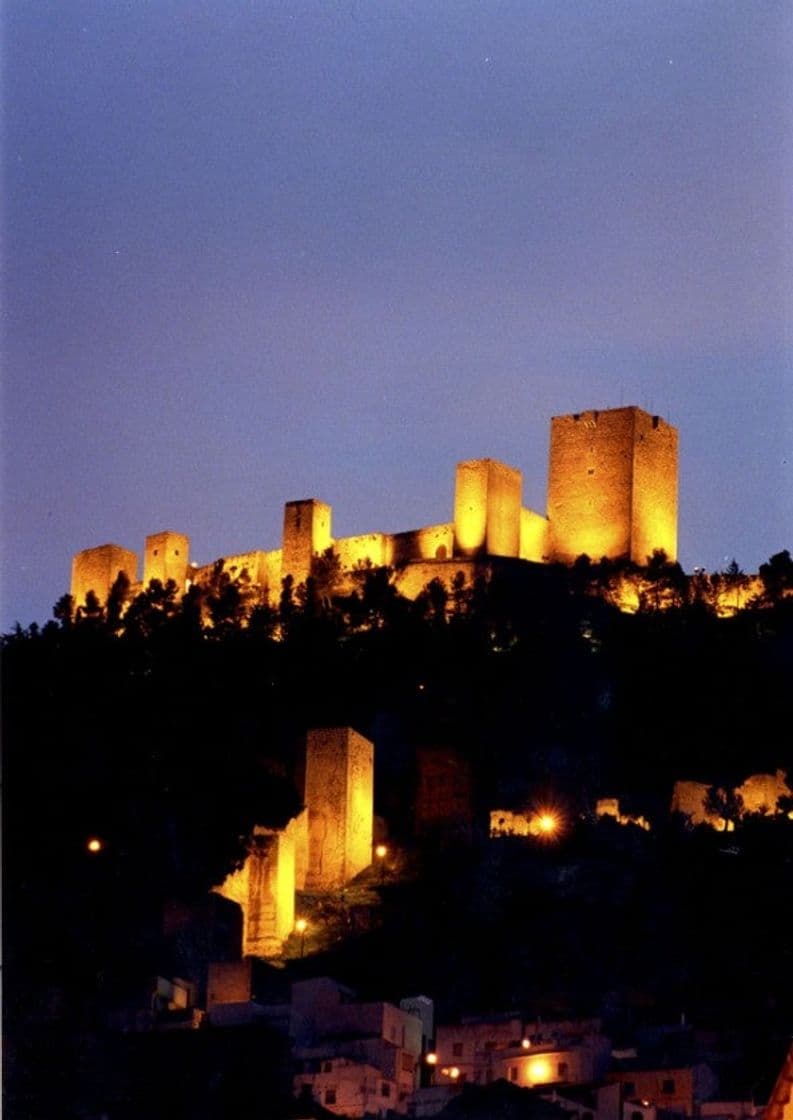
x=487 y=505
x=338 y=795
x=306 y=533
x=166 y=557
x=264 y=887
x=612 y=486
x=96 y=569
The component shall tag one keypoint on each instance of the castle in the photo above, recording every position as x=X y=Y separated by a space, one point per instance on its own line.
x=612 y=492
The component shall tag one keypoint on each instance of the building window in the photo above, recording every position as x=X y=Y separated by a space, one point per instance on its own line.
x=327 y=1067
x=330 y=1096
x=629 y=1088
x=407 y=1063
x=668 y=1085
x=637 y=1116
x=385 y=1089
x=513 y=1073
x=561 y=1069
x=440 y=552
x=490 y=1044
x=457 y=1049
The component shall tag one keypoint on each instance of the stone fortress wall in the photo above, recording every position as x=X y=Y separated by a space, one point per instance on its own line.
x=320 y=849
x=612 y=491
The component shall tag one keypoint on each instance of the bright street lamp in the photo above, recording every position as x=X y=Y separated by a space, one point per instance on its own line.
x=301 y=925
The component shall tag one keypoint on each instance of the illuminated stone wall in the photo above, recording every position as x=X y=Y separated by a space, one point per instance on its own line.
x=265 y=889
x=251 y=565
x=411 y=580
x=339 y=797
x=96 y=569
x=780 y=1102
x=760 y=792
x=367 y=550
x=297 y=830
x=166 y=556
x=610 y=807
x=487 y=509
x=612 y=485
x=433 y=542
x=533 y=536
x=306 y=532
x=505 y=822
x=689 y=798
x=654 y=512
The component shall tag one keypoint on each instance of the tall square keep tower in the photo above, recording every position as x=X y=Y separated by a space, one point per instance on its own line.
x=338 y=795
x=612 y=485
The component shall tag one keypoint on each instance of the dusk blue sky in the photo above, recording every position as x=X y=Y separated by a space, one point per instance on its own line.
x=259 y=251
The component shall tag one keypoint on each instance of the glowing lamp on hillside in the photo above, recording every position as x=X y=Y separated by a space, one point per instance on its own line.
x=545 y=824
x=539 y=1070
x=431 y=1059
x=301 y=925
x=381 y=851
x=525 y=1043
x=94 y=845
x=452 y=1072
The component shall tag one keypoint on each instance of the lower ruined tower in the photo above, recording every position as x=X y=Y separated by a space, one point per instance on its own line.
x=338 y=795
x=487 y=509
x=97 y=569
x=306 y=534
x=612 y=486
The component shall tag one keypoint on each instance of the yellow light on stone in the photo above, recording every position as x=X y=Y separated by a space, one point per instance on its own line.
x=539 y=1070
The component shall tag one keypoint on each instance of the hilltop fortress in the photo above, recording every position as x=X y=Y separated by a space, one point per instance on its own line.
x=612 y=492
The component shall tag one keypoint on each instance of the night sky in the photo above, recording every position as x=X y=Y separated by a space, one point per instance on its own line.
x=258 y=251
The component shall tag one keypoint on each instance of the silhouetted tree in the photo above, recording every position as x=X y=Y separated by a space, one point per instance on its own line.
x=664 y=583
x=777 y=578
x=64 y=611
x=734 y=581
x=117 y=599
x=724 y=802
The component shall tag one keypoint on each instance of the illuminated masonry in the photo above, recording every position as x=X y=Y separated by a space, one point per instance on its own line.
x=612 y=491
x=321 y=849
